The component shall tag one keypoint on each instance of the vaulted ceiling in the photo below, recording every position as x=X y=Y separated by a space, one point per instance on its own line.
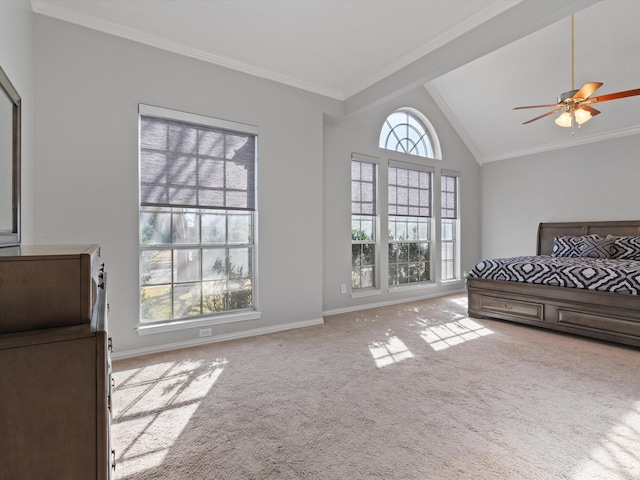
x=477 y=58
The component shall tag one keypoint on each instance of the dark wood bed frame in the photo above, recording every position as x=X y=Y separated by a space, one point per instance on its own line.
x=607 y=316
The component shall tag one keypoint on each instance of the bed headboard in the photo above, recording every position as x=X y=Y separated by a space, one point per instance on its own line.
x=548 y=231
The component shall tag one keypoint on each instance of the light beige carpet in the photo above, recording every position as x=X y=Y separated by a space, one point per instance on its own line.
x=417 y=391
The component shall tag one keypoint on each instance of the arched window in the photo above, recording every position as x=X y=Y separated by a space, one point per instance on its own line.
x=406 y=130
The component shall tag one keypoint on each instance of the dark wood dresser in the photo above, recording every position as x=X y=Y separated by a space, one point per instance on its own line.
x=55 y=364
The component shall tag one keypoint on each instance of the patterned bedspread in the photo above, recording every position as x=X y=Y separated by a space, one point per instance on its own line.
x=604 y=274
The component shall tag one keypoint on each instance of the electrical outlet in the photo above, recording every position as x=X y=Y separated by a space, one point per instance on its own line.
x=205 y=332
x=343 y=288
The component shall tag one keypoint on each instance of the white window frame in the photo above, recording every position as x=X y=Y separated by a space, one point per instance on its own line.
x=226 y=316
x=375 y=218
x=428 y=220
x=428 y=132
x=455 y=226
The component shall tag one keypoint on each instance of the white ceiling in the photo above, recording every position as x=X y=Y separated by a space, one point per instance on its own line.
x=477 y=58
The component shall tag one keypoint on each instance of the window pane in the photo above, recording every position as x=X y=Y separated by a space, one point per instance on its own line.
x=368 y=254
x=213 y=297
x=402 y=229
x=408 y=262
x=186 y=227
x=447 y=230
x=186 y=300
x=366 y=277
x=239 y=264
x=362 y=227
x=155 y=267
x=404 y=132
x=155 y=303
x=214 y=264
x=240 y=299
x=186 y=265
x=239 y=228
x=356 y=255
x=155 y=227
x=214 y=227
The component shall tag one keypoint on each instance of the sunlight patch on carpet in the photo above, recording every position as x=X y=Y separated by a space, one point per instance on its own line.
x=617 y=456
x=440 y=337
x=462 y=301
x=152 y=406
x=392 y=350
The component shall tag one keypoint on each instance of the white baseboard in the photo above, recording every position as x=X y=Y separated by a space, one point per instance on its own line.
x=217 y=338
x=391 y=302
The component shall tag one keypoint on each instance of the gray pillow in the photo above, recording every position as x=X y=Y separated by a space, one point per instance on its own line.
x=625 y=248
x=596 y=247
x=569 y=246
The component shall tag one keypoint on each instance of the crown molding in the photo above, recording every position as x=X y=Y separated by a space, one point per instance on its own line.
x=572 y=142
x=59 y=12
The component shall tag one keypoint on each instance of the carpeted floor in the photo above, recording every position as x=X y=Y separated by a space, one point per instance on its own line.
x=416 y=391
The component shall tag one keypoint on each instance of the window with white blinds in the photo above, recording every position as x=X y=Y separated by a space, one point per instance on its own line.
x=409 y=208
x=363 y=223
x=449 y=225
x=197 y=216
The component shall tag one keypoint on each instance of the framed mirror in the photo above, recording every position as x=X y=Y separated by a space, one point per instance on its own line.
x=10 y=125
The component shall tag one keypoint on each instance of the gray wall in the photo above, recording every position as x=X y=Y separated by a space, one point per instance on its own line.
x=88 y=87
x=80 y=182
x=359 y=133
x=597 y=181
x=16 y=59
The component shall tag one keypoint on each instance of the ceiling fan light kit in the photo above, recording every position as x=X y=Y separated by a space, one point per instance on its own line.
x=574 y=104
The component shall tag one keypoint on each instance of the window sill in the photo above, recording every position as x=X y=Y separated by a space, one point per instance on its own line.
x=197 y=323
x=410 y=287
x=369 y=292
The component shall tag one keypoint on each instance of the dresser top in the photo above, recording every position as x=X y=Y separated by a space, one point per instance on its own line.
x=27 y=251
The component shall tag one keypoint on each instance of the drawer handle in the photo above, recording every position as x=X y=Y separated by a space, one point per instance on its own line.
x=113 y=460
x=507 y=306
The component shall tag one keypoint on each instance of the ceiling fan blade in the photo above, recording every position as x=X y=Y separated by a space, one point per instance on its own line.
x=589 y=109
x=587 y=90
x=545 y=114
x=538 y=106
x=614 y=96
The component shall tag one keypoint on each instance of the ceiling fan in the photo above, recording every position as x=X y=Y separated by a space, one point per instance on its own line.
x=576 y=104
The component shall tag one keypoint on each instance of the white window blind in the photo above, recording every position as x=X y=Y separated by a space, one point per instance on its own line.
x=363 y=188
x=195 y=166
x=409 y=192
x=449 y=195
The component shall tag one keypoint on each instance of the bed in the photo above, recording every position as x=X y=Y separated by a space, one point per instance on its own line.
x=569 y=307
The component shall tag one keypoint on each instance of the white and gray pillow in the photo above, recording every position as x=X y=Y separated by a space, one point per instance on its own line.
x=597 y=247
x=569 y=246
x=625 y=248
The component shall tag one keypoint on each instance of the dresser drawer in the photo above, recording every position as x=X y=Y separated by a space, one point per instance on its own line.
x=596 y=321
x=534 y=311
x=47 y=286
